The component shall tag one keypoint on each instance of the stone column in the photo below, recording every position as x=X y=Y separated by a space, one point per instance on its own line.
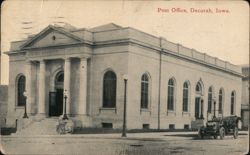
x=41 y=91
x=82 y=109
x=67 y=84
x=28 y=87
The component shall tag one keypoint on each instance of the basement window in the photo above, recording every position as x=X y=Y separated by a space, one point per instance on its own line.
x=145 y=126
x=171 y=126
x=186 y=126
x=107 y=125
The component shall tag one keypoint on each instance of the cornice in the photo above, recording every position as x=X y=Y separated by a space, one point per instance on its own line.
x=130 y=41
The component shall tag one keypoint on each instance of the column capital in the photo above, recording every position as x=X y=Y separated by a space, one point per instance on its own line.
x=41 y=61
x=83 y=58
x=67 y=59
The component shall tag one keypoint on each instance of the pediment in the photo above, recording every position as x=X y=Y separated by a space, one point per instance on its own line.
x=51 y=36
x=106 y=27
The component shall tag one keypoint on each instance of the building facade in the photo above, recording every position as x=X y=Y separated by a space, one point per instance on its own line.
x=245 y=97
x=168 y=85
x=3 y=105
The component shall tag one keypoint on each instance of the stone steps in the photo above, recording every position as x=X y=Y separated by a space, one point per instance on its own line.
x=43 y=127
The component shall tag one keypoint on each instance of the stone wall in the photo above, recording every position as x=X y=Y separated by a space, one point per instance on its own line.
x=143 y=60
x=3 y=104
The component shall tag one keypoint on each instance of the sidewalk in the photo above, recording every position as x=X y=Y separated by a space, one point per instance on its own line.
x=113 y=135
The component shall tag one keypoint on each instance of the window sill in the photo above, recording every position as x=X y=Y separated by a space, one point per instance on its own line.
x=107 y=109
x=19 y=107
x=103 y=108
x=171 y=112
x=185 y=113
x=145 y=110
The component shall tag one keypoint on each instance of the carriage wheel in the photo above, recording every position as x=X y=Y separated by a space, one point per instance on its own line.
x=222 y=133
x=236 y=133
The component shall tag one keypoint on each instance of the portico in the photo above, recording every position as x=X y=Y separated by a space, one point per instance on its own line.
x=46 y=86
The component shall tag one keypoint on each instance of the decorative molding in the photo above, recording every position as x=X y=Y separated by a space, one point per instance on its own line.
x=46 y=30
x=107 y=109
x=145 y=110
x=132 y=41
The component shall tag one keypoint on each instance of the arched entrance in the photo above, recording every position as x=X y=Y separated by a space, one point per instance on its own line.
x=56 y=97
x=199 y=101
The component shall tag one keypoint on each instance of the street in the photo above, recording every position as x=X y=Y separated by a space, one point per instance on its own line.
x=133 y=144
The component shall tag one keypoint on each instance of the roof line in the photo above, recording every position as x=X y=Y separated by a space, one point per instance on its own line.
x=61 y=30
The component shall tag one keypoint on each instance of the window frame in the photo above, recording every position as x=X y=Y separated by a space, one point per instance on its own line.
x=147 y=83
x=104 y=104
x=221 y=101
x=187 y=89
x=17 y=91
x=232 y=104
x=173 y=87
x=210 y=99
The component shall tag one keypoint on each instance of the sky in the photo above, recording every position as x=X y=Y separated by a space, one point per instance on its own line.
x=222 y=35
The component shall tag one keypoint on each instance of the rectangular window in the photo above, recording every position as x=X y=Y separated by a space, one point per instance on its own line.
x=186 y=126
x=232 y=106
x=171 y=126
x=185 y=100
x=220 y=104
x=170 y=98
x=232 y=103
x=209 y=102
x=144 y=95
x=145 y=126
x=107 y=125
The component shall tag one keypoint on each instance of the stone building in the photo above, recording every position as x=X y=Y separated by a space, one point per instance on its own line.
x=3 y=104
x=168 y=85
x=245 y=97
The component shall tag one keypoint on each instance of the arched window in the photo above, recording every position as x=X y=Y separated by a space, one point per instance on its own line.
x=210 y=97
x=21 y=100
x=232 y=102
x=220 y=100
x=60 y=77
x=185 y=97
x=198 y=105
x=198 y=88
x=144 y=91
x=171 y=87
x=109 y=90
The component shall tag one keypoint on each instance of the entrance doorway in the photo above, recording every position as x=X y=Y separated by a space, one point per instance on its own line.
x=56 y=97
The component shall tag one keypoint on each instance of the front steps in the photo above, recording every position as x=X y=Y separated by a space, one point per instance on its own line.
x=45 y=126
